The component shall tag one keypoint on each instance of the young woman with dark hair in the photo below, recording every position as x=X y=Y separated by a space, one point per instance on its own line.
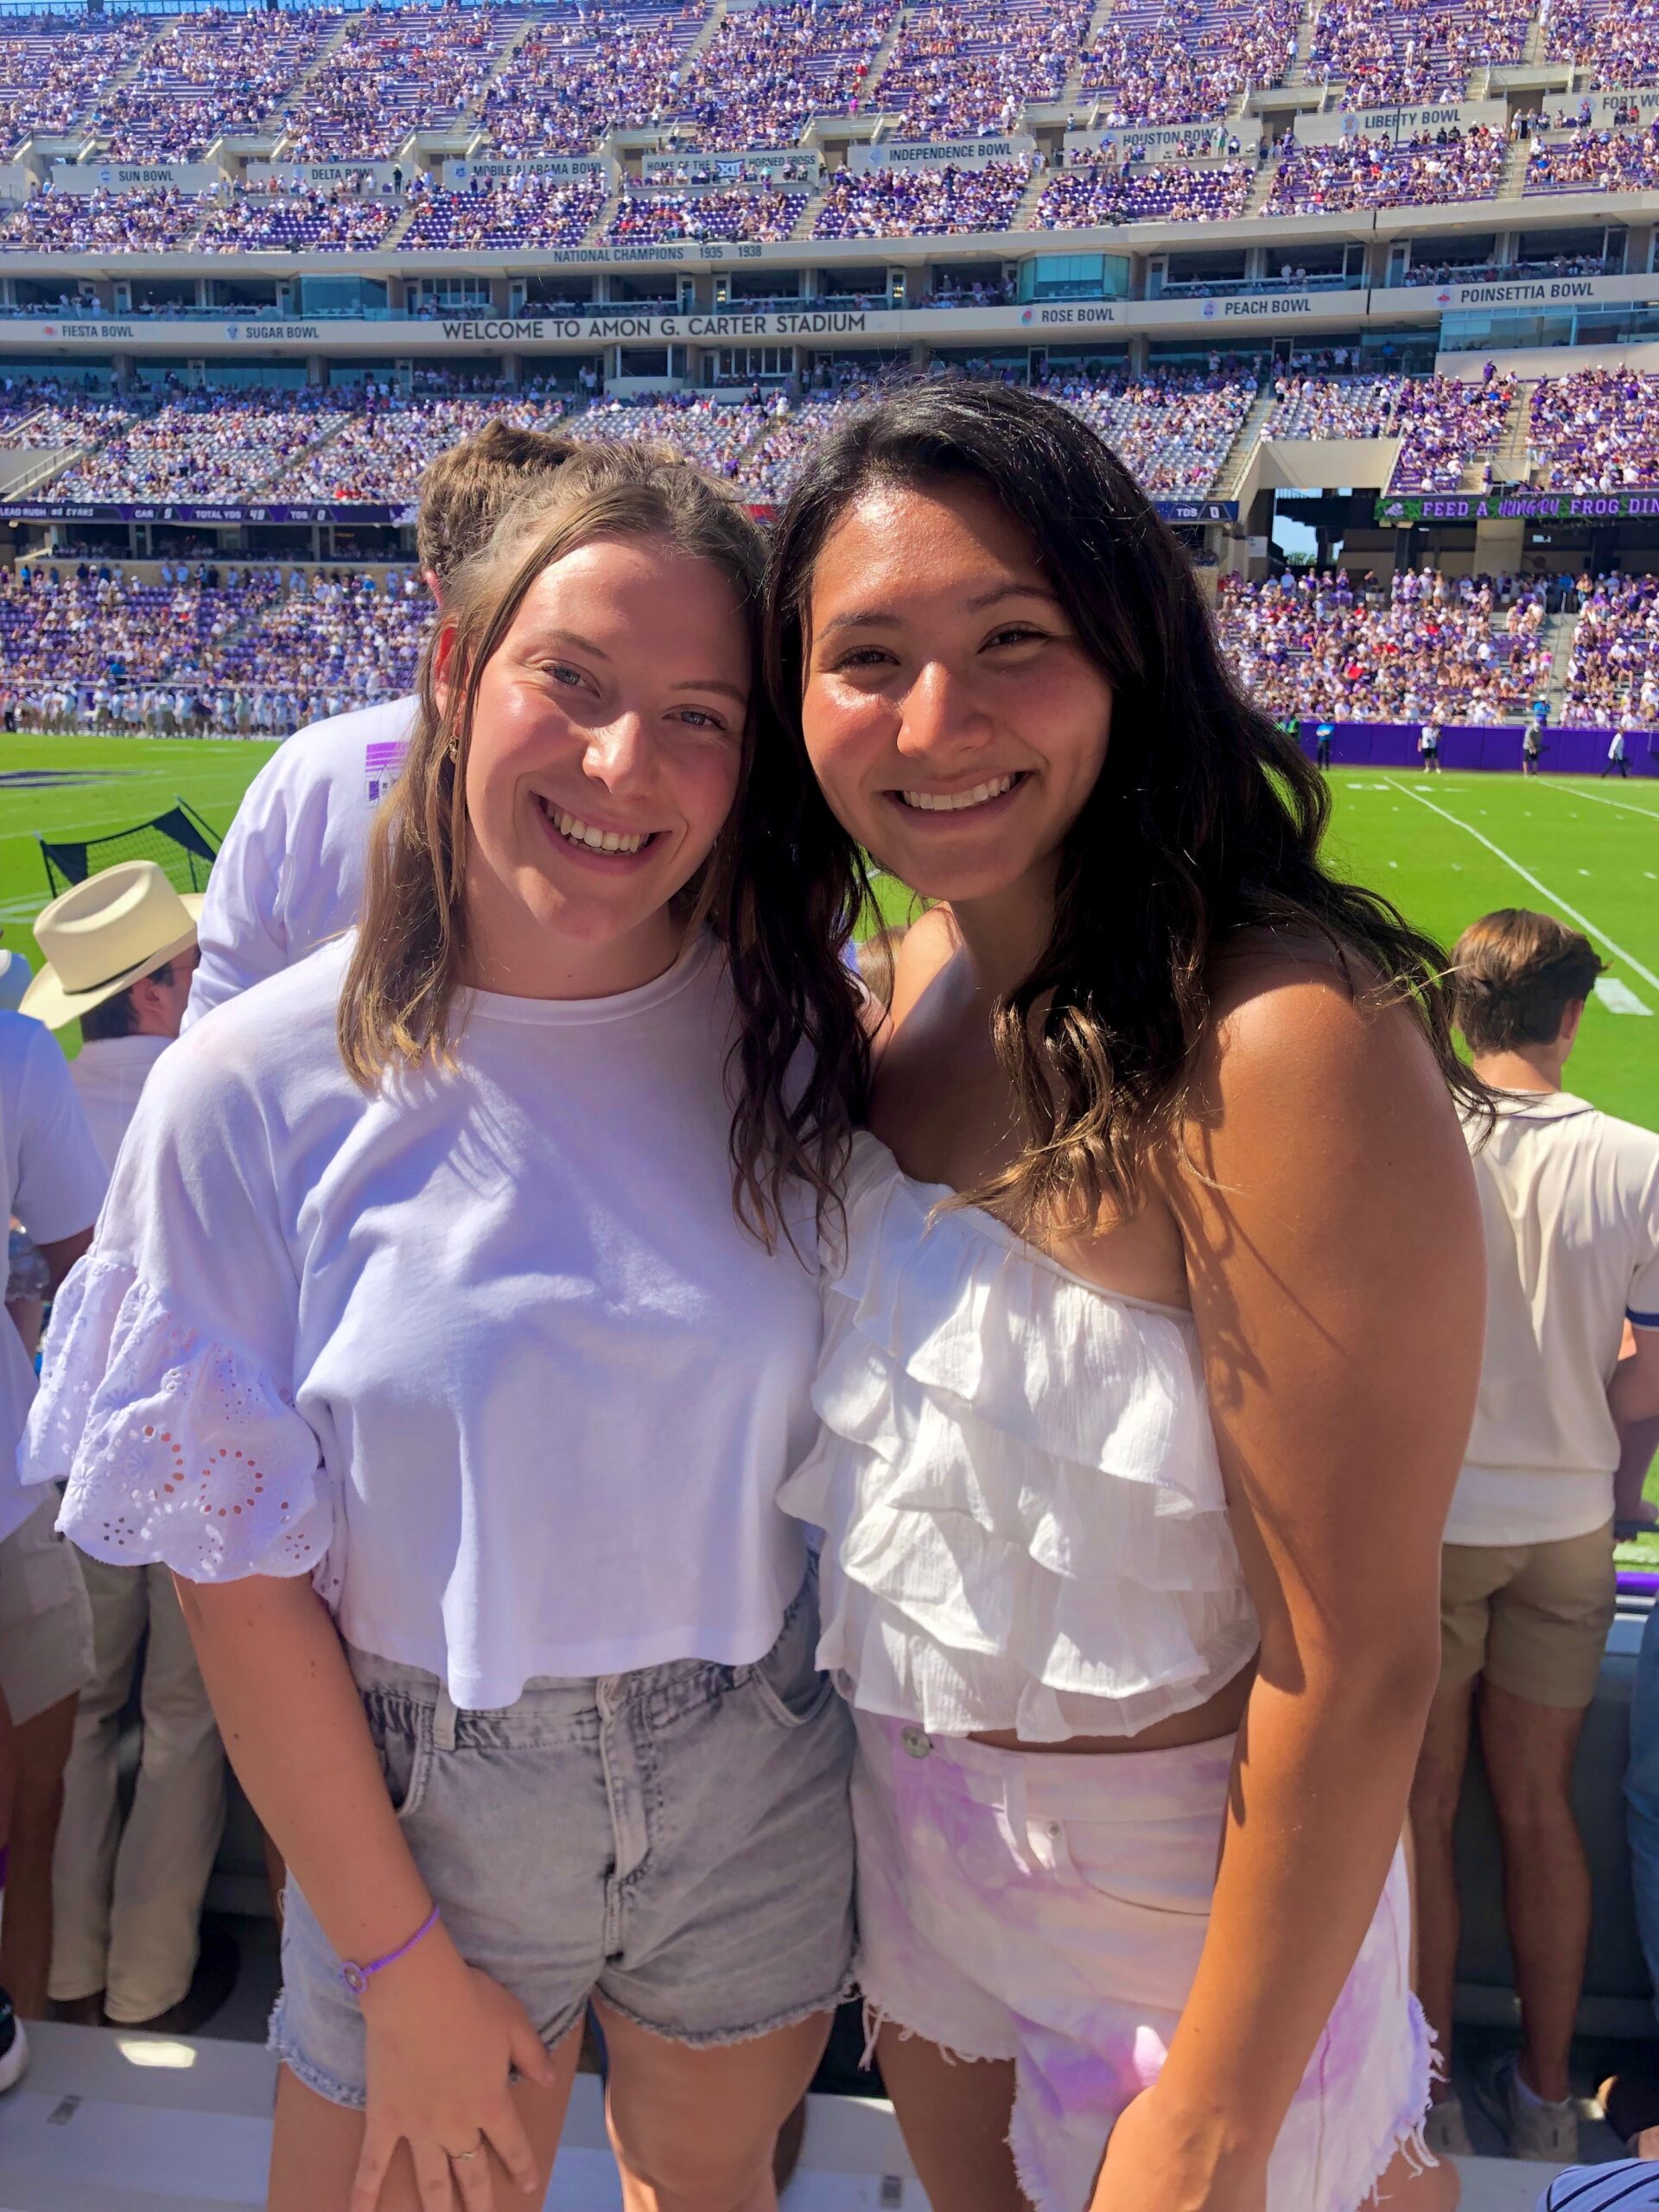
x=1132 y=1551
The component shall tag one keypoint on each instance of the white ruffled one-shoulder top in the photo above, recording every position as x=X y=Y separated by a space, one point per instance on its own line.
x=1024 y=1522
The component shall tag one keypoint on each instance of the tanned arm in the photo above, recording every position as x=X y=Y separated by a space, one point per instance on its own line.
x=1335 y=1258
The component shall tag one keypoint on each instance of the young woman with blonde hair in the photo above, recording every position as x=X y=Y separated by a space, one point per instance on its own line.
x=423 y=1340
x=1154 y=1331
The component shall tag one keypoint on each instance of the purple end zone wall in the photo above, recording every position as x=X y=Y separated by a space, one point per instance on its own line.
x=1471 y=745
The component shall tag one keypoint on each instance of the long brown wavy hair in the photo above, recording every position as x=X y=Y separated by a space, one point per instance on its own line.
x=1205 y=820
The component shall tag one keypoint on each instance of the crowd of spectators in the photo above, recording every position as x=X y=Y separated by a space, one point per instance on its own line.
x=1170 y=428
x=329 y=219
x=382 y=448
x=335 y=638
x=261 y=652
x=921 y=202
x=1597 y=160
x=249 y=651
x=1317 y=645
x=1490 y=272
x=204 y=446
x=1596 y=430
x=209 y=76
x=500 y=213
x=1186 y=60
x=1448 y=426
x=104 y=221
x=61 y=626
x=1591 y=431
x=749 y=212
x=47 y=423
x=368 y=444
x=969 y=68
x=1613 y=41
x=572 y=79
x=51 y=69
x=1612 y=669
x=768 y=469
x=1173 y=428
x=768 y=69
x=1429 y=170
x=1318 y=406
x=1413 y=53
x=714 y=430
x=947 y=292
x=392 y=72
x=1445 y=426
x=1089 y=193
x=353 y=85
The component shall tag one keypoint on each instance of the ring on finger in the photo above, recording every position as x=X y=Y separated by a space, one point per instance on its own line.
x=460 y=2158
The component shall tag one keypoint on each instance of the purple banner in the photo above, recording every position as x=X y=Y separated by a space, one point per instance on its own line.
x=190 y=510
x=1576 y=752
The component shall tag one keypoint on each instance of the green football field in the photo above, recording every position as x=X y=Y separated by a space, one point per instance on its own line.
x=90 y=787
x=1446 y=848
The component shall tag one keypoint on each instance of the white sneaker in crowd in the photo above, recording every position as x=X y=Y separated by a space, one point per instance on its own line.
x=1447 y=2132
x=1534 y=2128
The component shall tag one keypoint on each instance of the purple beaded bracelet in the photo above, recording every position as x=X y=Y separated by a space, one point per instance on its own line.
x=356 y=1977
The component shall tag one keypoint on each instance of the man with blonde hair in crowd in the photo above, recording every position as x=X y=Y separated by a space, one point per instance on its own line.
x=1570 y=1199
x=290 y=870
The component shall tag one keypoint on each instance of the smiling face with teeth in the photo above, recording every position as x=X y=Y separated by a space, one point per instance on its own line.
x=952 y=715
x=604 y=756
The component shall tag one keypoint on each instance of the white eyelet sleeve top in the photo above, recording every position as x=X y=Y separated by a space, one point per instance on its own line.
x=1024 y=1521
x=487 y=1353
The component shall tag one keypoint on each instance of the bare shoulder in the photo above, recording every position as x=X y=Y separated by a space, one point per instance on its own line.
x=927 y=948
x=1305 y=1037
x=1254 y=963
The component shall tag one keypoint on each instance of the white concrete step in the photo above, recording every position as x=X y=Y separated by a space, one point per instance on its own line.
x=107 y=2122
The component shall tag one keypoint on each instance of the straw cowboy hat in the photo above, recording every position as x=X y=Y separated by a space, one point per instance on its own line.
x=102 y=934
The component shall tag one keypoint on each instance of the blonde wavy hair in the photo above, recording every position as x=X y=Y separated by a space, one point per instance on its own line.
x=396 y=1009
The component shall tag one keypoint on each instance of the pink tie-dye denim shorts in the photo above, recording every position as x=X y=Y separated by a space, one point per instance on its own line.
x=1050 y=1908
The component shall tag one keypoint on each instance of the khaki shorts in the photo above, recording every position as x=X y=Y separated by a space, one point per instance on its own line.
x=1532 y=1617
x=46 y=1621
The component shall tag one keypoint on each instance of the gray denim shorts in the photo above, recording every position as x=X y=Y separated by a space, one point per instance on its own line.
x=677 y=1841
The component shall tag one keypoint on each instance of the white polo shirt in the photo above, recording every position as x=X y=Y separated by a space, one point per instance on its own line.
x=109 y=1075
x=290 y=871
x=1570 y=1201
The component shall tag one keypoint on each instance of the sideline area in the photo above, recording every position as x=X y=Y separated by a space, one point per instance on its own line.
x=107 y=2122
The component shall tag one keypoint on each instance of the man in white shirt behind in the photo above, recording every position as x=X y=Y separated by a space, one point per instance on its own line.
x=120 y=952
x=1570 y=1198
x=54 y=1186
x=290 y=871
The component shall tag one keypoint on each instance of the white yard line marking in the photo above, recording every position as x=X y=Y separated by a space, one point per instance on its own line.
x=1617 y=997
x=1625 y=805
x=1543 y=889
